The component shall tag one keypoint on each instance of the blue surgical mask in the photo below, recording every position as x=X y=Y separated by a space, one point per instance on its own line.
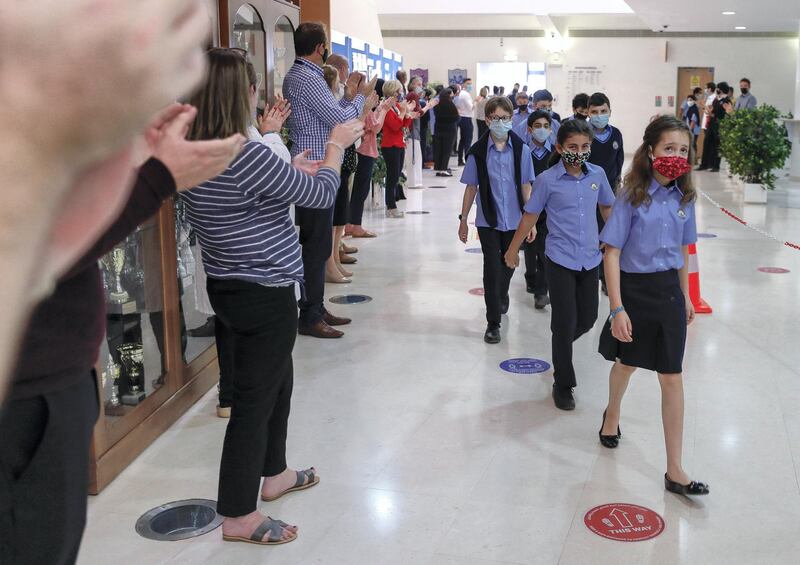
x=541 y=134
x=500 y=128
x=600 y=121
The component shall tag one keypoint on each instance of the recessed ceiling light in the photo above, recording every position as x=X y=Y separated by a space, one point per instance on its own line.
x=728 y=13
x=740 y=27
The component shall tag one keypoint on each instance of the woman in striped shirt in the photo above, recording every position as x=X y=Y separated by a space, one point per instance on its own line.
x=252 y=258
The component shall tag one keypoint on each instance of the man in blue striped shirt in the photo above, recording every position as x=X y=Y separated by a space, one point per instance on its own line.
x=315 y=112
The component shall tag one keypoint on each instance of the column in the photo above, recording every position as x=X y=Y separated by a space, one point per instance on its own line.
x=794 y=125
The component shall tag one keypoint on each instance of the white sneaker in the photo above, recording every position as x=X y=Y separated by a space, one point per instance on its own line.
x=395 y=213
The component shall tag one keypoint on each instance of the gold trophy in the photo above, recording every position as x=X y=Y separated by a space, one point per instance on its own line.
x=114 y=262
x=113 y=372
x=132 y=357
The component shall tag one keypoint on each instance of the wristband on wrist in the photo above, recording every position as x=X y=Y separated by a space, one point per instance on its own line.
x=339 y=147
x=614 y=313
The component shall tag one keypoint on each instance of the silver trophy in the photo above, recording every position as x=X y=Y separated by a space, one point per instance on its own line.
x=114 y=262
x=132 y=357
x=113 y=372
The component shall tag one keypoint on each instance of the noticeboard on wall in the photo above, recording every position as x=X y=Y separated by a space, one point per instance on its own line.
x=372 y=60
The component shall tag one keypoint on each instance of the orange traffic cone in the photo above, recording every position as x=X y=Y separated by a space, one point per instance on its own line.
x=700 y=305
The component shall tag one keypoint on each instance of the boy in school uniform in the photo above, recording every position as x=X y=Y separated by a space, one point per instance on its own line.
x=522 y=112
x=500 y=172
x=539 y=123
x=580 y=107
x=543 y=100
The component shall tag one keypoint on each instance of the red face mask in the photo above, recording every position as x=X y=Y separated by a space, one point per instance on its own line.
x=672 y=167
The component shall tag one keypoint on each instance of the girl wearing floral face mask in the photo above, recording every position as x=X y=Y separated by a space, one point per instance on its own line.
x=647 y=239
x=569 y=191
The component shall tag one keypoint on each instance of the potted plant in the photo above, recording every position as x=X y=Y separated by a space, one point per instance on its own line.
x=754 y=144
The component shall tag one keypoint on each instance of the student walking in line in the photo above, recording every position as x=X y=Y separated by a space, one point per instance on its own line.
x=607 y=149
x=647 y=238
x=580 y=107
x=499 y=170
x=569 y=192
x=539 y=123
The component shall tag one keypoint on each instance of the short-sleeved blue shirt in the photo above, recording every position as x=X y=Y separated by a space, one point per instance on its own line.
x=571 y=206
x=651 y=236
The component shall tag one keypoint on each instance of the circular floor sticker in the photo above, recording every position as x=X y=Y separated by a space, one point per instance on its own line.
x=417 y=212
x=477 y=292
x=438 y=186
x=420 y=187
x=473 y=250
x=707 y=235
x=773 y=270
x=624 y=522
x=351 y=299
x=525 y=365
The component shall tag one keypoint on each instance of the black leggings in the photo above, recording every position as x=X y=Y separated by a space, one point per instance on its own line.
x=394 y=165
x=361 y=185
x=442 y=146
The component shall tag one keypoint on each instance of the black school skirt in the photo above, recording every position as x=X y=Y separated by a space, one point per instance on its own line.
x=657 y=309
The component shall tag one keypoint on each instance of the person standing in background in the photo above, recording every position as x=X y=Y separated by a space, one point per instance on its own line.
x=402 y=76
x=466 y=110
x=746 y=101
x=521 y=113
x=580 y=107
x=692 y=120
x=315 y=112
x=480 y=110
x=711 y=158
x=447 y=118
x=512 y=96
x=398 y=119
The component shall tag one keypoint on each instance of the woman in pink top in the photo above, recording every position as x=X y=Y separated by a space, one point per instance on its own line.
x=367 y=153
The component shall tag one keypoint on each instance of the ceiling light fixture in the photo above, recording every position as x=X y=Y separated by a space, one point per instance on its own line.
x=728 y=13
x=740 y=27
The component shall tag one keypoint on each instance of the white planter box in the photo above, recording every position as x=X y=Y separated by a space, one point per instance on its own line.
x=754 y=193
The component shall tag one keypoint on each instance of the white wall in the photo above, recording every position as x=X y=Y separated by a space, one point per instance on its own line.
x=357 y=18
x=635 y=71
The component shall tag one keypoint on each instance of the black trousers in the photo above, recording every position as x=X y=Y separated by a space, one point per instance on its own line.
x=482 y=128
x=442 y=144
x=316 y=237
x=423 y=141
x=361 y=185
x=574 y=302
x=496 y=275
x=535 y=262
x=711 y=158
x=261 y=323
x=44 y=474
x=466 y=129
x=394 y=166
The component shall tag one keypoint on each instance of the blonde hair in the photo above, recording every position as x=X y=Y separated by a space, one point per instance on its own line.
x=331 y=76
x=223 y=103
x=392 y=88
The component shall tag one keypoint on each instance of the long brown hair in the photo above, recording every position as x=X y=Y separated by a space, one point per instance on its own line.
x=637 y=182
x=223 y=103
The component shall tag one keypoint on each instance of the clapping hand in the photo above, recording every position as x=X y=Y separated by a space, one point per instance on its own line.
x=368 y=88
x=302 y=163
x=351 y=86
x=273 y=119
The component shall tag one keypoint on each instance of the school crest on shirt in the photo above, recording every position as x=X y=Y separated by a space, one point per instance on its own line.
x=615 y=145
x=681 y=213
x=595 y=186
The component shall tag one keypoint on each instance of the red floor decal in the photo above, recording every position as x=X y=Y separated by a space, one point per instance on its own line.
x=624 y=522
x=477 y=292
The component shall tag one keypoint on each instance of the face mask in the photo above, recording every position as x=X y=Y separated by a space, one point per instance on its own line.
x=548 y=111
x=600 y=121
x=418 y=90
x=583 y=117
x=691 y=103
x=541 y=134
x=745 y=90
x=500 y=129
x=469 y=88
x=576 y=159
x=671 y=167
x=324 y=55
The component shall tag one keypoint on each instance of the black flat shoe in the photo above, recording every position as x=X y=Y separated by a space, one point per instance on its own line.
x=610 y=442
x=492 y=334
x=563 y=398
x=539 y=302
x=692 y=489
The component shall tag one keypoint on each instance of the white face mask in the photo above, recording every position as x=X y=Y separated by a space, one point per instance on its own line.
x=691 y=103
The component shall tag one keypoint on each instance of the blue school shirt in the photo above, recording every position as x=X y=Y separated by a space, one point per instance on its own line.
x=651 y=236
x=571 y=206
x=500 y=165
x=519 y=118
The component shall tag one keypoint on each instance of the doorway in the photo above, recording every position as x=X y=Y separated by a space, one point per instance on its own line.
x=690 y=78
x=505 y=74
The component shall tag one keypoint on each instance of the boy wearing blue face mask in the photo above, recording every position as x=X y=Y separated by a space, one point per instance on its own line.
x=607 y=150
x=539 y=123
x=500 y=172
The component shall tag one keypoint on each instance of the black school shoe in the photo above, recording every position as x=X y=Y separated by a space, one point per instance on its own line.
x=539 y=302
x=492 y=334
x=562 y=396
x=692 y=489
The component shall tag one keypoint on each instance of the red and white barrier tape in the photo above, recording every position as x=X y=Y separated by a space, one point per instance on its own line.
x=727 y=212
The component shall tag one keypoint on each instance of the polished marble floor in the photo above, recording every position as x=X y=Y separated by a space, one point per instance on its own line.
x=431 y=455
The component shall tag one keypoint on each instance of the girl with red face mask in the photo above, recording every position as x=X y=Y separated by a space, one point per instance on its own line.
x=646 y=265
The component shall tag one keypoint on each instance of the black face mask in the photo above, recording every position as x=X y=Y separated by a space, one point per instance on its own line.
x=581 y=116
x=325 y=55
x=745 y=90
